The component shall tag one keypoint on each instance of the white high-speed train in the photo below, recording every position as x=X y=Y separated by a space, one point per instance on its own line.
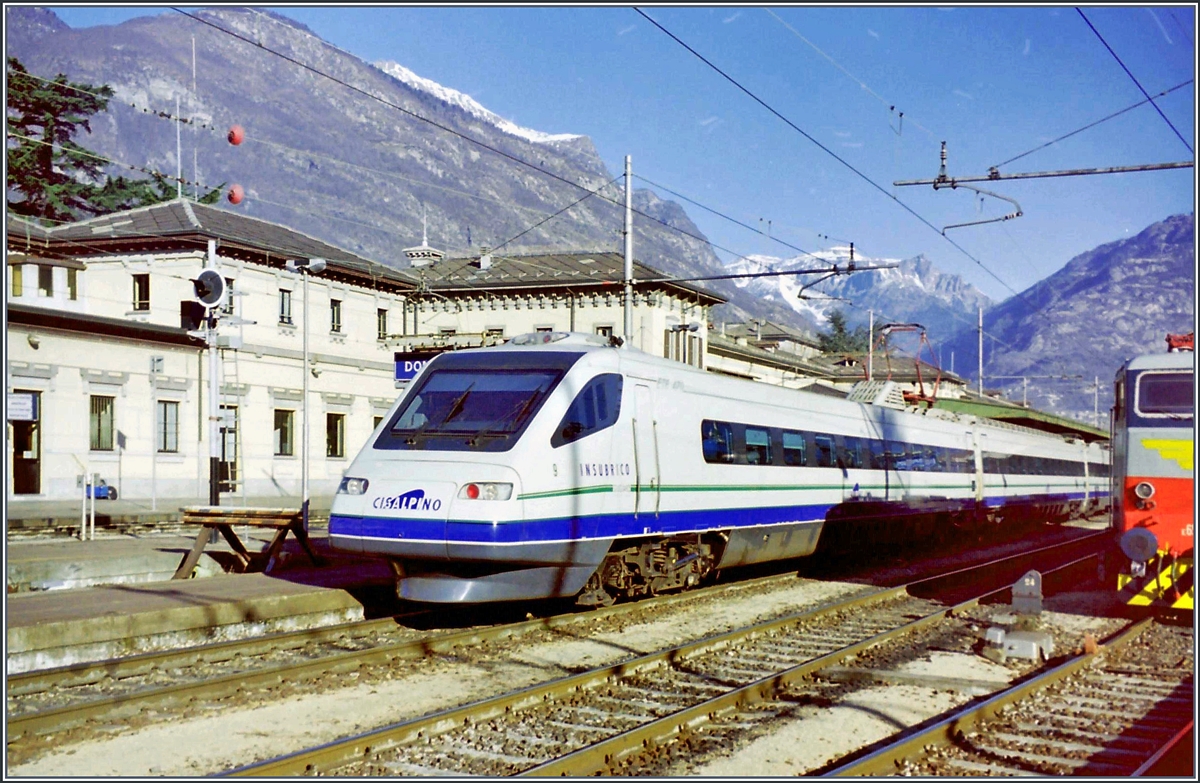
x=559 y=465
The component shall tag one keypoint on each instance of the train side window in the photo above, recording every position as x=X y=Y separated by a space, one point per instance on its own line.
x=596 y=407
x=878 y=449
x=825 y=451
x=717 y=439
x=853 y=452
x=758 y=446
x=794 y=452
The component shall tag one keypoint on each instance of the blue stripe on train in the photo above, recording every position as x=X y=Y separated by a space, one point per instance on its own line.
x=601 y=526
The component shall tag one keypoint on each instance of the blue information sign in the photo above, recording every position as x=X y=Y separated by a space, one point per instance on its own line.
x=409 y=364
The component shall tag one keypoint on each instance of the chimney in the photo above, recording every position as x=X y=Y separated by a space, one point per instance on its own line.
x=485 y=257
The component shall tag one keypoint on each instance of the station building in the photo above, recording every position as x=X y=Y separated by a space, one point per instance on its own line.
x=104 y=378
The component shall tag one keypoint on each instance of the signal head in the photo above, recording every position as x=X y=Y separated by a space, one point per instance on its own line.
x=209 y=288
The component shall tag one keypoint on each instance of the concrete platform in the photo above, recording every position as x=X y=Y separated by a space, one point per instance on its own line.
x=61 y=627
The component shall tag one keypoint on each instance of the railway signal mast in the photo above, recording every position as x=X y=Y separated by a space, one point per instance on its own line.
x=210 y=293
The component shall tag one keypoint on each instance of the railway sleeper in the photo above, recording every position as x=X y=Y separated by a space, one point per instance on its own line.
x=1109 y=740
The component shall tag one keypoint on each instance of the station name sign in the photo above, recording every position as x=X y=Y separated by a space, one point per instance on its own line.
x=409 y=364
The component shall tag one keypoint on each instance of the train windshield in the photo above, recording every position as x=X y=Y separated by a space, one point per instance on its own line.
x=475 y=402
x=1165 y=394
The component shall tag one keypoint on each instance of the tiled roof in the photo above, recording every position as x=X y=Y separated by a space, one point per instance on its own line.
x=18 y=229
x=545 y=270
x=182 y=219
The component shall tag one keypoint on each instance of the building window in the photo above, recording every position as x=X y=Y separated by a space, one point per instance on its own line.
x=18 y=280
x=285 y=307
x=447 y=331
x=141 y=292
x=335 y=315
x=378 y=419
x=335 y=434
x=381 y=323
x=168 y=427
x=101 y=423
x=285 y=423
x=73 y=284
x=227 y=306
x=45 y=280
x=683 y=347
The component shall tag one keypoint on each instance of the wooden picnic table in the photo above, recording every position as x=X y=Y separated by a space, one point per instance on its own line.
x=223 y=518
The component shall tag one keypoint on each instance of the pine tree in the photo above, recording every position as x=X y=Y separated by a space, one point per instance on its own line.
x=841 y=340
x=56 y=179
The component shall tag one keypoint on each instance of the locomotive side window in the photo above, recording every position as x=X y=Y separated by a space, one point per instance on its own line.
x=596 y=407
x=717 y=437
x=794 y=452
x=758 y=446
x=1164 y=393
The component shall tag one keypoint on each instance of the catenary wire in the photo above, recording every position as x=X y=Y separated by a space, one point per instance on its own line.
x=253 y=139
x=259 y=45
x=307 y=210
x=435 y=124
x=855 y=79
x=722 y=215
x=737 y=256
x=825 y=149
x=1134 y=78
x=1094 y=124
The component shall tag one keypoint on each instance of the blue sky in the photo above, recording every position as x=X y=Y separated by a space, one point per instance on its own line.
x=991 y=82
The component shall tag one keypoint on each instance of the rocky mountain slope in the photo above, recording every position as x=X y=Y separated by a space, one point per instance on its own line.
x=1103 y=307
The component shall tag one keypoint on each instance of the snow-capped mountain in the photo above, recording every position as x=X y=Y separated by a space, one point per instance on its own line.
x=468 y=104
x=913 y=291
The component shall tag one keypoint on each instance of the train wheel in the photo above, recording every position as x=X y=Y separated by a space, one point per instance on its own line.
x=594 y=594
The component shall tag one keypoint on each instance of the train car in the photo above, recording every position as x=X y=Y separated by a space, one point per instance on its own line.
x=561 y=465
x=1153 y=428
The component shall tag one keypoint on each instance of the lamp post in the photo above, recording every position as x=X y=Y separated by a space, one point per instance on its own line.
x=305 y=267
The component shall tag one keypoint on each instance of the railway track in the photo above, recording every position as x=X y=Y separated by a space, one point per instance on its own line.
x=627 y=716
x=44 y=702
x=1110 y=712
x=51 y=700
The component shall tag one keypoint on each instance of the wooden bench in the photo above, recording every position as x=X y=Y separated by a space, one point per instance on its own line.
x=223 y=518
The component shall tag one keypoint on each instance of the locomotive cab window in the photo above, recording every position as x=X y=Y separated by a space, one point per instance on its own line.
x=717 y=437
x=1165 y=394
x=474 y=402
x=758 y=446
x=596 y=407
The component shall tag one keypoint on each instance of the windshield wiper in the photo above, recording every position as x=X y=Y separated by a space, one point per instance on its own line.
x=456 y=408
x=515 y=415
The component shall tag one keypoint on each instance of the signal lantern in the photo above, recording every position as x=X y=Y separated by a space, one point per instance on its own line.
x=473 y=491
x=236 y=194
x=236 y=135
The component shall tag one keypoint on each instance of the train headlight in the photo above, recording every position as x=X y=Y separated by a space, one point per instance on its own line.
x=353 y=486
x=486 y=490
x=1144 y=490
